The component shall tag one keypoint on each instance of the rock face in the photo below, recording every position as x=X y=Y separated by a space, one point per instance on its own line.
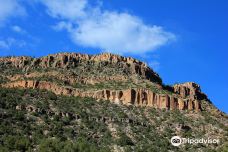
x=189 y=90
x=137 y=96
x=71 y=69
x=66 y=60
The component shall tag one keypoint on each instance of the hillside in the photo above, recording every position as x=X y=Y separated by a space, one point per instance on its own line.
x=105 y=102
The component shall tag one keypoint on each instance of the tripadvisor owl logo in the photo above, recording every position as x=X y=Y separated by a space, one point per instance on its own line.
x=176 y=141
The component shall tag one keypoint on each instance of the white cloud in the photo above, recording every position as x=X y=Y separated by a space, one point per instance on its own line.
x=18 y=29
x=120 y=32
x=3 y=44
x=66 y=9
x=9 y=43
x=63 y=25
x=112 y=31
x=10 y=8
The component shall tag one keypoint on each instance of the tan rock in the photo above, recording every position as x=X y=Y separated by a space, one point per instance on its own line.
x=63 y=60
x=138 y=97
x=189 y=90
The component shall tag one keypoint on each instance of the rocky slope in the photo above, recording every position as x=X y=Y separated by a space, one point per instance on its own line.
x=39 y=120
x=78 y=102
x=185 y=96
x=71 y=60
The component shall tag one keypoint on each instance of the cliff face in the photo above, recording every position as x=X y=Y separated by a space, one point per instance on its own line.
x=62 y=72
x=190 y=90
x=71 y=60
x=138 y=96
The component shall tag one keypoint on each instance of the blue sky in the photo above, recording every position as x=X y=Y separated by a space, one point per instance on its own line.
x=181 y=40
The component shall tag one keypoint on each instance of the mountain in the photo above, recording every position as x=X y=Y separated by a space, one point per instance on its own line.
x=105 y=102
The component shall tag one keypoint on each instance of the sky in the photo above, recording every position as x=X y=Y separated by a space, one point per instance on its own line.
x=181 y=40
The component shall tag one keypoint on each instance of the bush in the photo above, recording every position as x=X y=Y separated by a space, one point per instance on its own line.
x=124 y=140
x=16 y=143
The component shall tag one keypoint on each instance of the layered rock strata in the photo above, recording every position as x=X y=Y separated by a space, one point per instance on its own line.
x=66 y=60
x=74 y=68
x=133 y=96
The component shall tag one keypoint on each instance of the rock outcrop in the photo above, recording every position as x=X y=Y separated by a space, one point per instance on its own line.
x=66 y=60
x=189 y=90
x=74 y=71
x=133 y=96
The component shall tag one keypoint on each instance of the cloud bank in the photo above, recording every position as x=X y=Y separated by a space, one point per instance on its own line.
x=9 y=42
x=113 y=31
x=10 y=8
